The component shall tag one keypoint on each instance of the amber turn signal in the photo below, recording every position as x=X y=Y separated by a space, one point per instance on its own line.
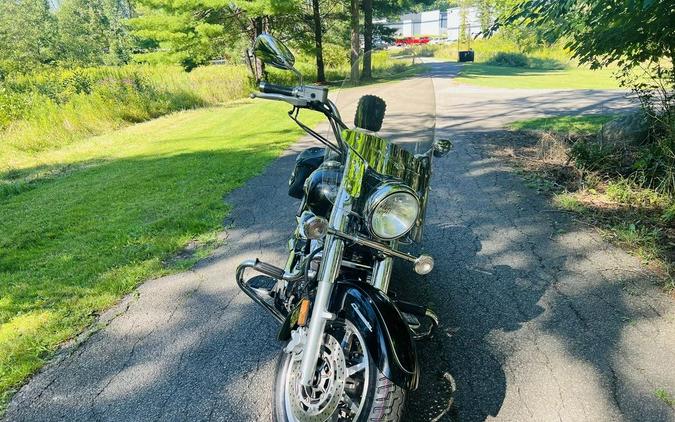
x=304 y=312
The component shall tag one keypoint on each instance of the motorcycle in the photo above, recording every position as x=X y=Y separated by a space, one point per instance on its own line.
x=350 y=344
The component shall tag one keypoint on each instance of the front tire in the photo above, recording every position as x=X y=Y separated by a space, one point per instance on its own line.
x=347 y=385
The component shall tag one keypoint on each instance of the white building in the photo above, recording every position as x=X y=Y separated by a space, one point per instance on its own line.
x=436 y=23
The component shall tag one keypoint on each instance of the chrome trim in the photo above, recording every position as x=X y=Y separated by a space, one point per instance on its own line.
x=372 y=244
x=381 y=193
x=355 y=265
x=363 y=318
x=328 y=271
x=268 y=270
x=382 y=273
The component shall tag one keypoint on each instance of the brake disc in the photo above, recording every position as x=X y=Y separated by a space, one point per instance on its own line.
x=320 y=400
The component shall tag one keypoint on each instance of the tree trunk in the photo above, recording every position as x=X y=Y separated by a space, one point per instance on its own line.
x=320 y=74
x=367 y=39
x=356 y=42
x=259 y=28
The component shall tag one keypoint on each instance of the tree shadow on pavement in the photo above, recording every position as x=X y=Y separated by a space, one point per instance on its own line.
x=535 y=309
x=540 y=319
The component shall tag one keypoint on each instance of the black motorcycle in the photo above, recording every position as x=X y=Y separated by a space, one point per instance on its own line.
x=350 y=347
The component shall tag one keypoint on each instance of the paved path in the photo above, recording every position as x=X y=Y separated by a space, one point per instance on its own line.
x=542 y=320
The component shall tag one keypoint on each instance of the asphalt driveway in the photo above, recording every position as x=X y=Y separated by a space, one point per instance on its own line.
x=542 y=319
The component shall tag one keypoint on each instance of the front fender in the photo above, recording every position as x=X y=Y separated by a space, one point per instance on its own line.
x=385 y=332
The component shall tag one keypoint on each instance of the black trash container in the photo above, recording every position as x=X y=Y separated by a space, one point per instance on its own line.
x=466 y=56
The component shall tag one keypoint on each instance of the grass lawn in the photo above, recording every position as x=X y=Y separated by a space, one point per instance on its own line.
x=83 y=225
x=517 y=77
x=578 y=125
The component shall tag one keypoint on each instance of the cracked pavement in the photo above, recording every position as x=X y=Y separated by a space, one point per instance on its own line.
x=542 y=320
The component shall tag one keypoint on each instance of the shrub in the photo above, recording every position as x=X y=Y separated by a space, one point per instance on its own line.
x=509 y=59
x=591 y=155
x=335 y=56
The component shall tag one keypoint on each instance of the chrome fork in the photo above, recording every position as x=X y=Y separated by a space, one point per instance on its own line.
x=328 y=272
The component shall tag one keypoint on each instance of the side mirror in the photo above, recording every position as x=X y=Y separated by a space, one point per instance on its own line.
x=273 y=52
x=442 y=147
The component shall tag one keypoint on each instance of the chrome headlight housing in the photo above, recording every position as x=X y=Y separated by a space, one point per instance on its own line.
x=391 y=211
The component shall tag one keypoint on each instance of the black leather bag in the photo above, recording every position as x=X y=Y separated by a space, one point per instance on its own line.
x=308 y=161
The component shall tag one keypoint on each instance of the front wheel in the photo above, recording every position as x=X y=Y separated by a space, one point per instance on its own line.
x=347 y=385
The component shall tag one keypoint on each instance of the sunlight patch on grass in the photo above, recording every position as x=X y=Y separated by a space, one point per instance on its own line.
x=578 y=125
x=524 y=78
x=94 y=219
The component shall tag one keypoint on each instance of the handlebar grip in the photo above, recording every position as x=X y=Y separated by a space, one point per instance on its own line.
x=268 y=88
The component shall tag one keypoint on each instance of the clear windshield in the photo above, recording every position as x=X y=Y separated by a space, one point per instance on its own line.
x=403 y=82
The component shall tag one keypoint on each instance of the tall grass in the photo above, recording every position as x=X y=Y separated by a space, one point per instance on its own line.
x=489 y=50
x=384 y=65
x=50 y=109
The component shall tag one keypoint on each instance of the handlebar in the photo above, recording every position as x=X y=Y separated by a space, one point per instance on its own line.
x=269 y=88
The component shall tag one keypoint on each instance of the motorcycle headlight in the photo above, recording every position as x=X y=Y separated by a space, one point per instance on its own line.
x=392 y=211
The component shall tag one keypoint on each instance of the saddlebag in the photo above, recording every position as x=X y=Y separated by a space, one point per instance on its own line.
x=308 y=161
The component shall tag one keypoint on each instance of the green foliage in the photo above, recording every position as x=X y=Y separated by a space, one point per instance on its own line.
x=509 y=59
x=92 y=33
x=665 y=396
x=626 y=192
x=569 y=202
x=384 y=67
x=600 y=32
x=335 y=56
x=668 y=215
x=114 y=212
x=192 y=32
x=638 y=37
x=182 y=35
x=486 y=49
x=595 y=156
x=485 y=14
x=28 y=36
x=49 y=109
x=641 y=238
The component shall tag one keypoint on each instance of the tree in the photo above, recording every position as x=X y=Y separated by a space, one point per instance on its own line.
x=464 y=29
x=383 y=8
x=28 y=35
x=485 y=14
x=355 y=40
x=92 y=32
x=600 y=32
x=316 y=14
x=367 y=72
x=192 y=32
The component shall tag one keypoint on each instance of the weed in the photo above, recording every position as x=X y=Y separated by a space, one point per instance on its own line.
x=665 y=397
x=638 y=237
x=569 y=202
x=668 y=215
x=625 y=192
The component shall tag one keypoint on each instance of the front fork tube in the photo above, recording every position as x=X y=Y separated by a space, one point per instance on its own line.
x=328 y=272
x=330 y=266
